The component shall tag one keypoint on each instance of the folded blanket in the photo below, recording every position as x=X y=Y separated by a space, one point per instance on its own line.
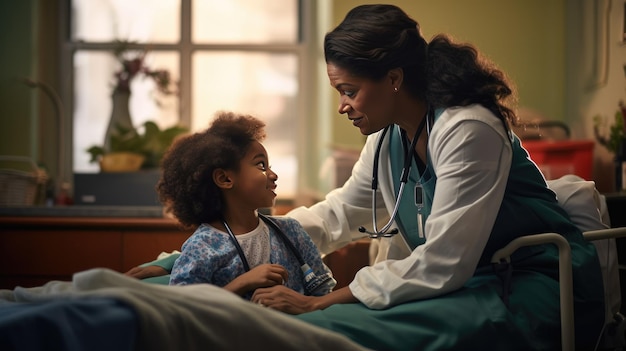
x=191 y=317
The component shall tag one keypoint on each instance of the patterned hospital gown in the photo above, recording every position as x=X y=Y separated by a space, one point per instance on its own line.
x=209 y=256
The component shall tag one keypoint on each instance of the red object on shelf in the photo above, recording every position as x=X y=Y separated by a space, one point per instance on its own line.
x=558 y=158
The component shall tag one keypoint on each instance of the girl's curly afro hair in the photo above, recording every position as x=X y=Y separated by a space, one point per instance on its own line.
x=186 y=186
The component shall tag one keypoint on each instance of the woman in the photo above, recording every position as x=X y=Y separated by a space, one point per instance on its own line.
x=471 y=189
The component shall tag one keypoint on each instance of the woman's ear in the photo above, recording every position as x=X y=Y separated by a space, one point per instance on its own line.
x=222 y=178
x=396 y=76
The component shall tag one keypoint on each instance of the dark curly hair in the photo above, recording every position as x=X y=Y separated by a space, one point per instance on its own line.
x=373 y=39
x=186 y=186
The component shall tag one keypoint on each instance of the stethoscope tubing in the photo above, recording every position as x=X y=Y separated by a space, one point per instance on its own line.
x=277 y=229
x=406 y=169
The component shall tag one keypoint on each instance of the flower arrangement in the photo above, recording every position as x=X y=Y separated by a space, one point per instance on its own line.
x=133 y=64
x=122 y=137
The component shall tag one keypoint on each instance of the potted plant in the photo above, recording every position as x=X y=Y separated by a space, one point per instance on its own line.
x=617 y=131
x=132 y=65
x=125 y=149
x=131 y=150
x=615 y=141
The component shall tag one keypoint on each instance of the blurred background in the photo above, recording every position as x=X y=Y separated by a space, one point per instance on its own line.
x=59 y=72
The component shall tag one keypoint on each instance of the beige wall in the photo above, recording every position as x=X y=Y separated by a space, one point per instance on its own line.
x=526 y=39
x=596 y=81
x=566 y=57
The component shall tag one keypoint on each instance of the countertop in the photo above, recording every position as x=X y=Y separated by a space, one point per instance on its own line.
x=83 y=211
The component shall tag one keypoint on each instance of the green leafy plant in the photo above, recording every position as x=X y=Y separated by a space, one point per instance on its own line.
x=616 y=131
x=152 y=143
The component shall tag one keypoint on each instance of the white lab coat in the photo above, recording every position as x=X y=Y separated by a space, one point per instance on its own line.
x=471 y=155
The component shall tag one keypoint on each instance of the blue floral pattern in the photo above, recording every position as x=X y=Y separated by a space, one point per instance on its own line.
x=209 y=256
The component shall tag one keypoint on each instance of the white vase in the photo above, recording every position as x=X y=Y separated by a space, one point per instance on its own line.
x=120 y=116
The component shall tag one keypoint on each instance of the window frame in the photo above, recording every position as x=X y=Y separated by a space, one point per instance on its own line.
x=310 y=131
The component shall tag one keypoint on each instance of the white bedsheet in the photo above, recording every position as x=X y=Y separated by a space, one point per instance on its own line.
x=192 y=317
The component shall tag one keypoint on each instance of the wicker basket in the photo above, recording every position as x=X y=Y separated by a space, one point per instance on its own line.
x=20 y=179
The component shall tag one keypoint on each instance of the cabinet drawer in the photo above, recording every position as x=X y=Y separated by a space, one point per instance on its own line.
x=58 y=252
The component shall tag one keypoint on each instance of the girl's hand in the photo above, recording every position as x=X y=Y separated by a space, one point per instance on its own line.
x=261 y=276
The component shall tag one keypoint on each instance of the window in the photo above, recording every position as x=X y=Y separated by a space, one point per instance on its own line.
x=241 y=55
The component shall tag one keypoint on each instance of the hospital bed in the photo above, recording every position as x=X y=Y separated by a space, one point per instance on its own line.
x=613 y=331
x=587 y=209
x=102 y=310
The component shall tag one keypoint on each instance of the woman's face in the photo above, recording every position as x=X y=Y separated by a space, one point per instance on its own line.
x=368 y=104
x=255 y=182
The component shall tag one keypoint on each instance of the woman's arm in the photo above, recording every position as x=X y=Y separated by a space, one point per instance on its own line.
x=471 y=156
x=286 y=300
x=333 y=222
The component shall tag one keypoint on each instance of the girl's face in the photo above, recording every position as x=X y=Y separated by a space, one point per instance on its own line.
x=368 y=104
x=255 y=182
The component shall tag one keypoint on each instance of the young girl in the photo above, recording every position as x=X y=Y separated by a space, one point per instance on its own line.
x=217 y=180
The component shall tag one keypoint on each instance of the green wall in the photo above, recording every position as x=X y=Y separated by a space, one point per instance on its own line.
x=525 y=38
x=18 y=26
x=29 y=38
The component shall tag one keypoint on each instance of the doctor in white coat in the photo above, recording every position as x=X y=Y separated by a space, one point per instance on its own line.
x=456 y=184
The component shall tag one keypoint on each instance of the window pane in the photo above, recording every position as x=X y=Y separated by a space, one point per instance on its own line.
x=93 y=86
x=261 y=84
x=245 y=21
x=137 y=20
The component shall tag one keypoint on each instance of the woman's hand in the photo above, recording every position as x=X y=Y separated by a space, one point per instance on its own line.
x=146 y=272
x=284 y=299
x=261 y=276
x=289 y=301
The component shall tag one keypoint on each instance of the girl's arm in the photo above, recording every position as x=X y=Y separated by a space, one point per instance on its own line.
x=156 y=268
x=311 y=256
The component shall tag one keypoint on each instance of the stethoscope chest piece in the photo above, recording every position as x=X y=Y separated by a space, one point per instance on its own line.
x=385 y=231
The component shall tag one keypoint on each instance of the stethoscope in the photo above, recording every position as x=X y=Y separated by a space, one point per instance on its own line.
x=406 y=170
x=313 y=283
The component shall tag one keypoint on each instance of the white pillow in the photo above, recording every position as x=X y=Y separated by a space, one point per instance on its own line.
x=587 y=209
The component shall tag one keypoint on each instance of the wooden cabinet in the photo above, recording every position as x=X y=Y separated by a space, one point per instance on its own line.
x=35 y=250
